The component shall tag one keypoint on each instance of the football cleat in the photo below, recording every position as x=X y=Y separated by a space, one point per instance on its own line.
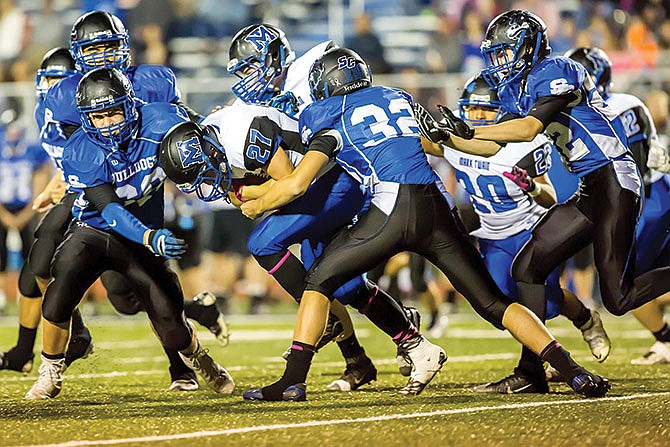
x=210 y=317
x=588 y=384
x=427 y=360
x=595 y=336
x=334 y=329
x=14 y=361
x=404 y=362
x=658 y=354
x=214 y=374
x=79 y=347
x=184 y=382
x=293 y=393
x=50 y=380
x=514 y=384
x=359 y=371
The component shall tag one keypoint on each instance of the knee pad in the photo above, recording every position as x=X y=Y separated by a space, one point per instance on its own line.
x=41 y=254
x=27 y=285
x=55 y=310
x=119 y=294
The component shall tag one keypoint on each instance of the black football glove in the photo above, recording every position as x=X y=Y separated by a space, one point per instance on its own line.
x=433 y=130
x=455 y=125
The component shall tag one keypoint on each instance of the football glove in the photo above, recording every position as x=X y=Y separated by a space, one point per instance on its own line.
x=286 y=102
x=163 y=242
x=658 y=158
x=455 y=125
x=429 y=128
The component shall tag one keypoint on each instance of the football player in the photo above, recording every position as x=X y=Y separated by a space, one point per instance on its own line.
x=261 y=56
x=651 y=237
x=254 y=140
x=56 y=64
x=510 y=192
x=99 y=39
x=371 y=132
x=556 y=95
x=111 y=163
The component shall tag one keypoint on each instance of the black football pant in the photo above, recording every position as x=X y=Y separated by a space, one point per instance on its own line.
x=422 y=222
x=87 y=252
x=602 y=212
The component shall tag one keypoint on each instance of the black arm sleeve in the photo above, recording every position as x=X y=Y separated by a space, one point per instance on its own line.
x=547 y=106
x=102 y=195
x=638 y=130
x=192 y=114
x=322 y=142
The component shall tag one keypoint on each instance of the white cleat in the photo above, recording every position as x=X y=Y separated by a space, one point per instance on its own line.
x=50 y=380
x=595 y=336
x=427 y=360
x=658 y=354
x=187 y=384
x=214 y=374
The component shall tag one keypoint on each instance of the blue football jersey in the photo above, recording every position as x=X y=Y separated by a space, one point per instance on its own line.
x=17 y=165
x=587 y=133
x=151 y=83
x=135 y=173
x=377 y=135
x=51 y=133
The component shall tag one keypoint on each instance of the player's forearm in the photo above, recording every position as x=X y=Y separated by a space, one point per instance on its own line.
x=513 y=131
x=251 y=192
x=547 y=194
x=125 y=223
x=283 y=191
x=55 y=181
x=482 y=148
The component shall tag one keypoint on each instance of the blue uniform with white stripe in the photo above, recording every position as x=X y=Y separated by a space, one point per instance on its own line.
x=135 y=172
x=593 y=144
x=587 y=133
x=17 y=165
x=151 y=83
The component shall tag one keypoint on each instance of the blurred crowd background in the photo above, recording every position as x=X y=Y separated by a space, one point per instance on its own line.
x=426 y=47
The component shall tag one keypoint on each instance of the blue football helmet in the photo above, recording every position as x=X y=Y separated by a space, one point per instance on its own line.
x=597 y=63
x=102 y=89
x=477 y=92
x=107 y=31
x=514 y=42
x=192 y=157
x=259 y=55
x=337 y=72
x=56 y=63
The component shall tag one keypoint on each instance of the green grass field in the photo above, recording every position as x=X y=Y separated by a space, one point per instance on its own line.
x=117 y=397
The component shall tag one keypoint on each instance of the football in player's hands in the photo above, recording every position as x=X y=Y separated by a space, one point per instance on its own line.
x=454 y=124
x=521 y=178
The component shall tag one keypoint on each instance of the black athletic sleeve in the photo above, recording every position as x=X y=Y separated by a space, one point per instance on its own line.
x=547 y=106
x=101 y=195
x=68 y=129
x=638 y=129
x=192 y=114
x=324 y=142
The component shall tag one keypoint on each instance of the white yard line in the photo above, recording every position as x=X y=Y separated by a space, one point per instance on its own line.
x=330 y=422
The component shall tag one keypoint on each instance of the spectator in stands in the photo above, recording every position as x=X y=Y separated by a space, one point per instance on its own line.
x=473 y=32
x=151 y=48
x=564 y=39
x=444 y=53
x=366 y=43
x=664 y=44
x=640 y=37
x=14 y=35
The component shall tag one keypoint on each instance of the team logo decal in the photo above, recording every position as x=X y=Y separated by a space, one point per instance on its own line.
x=190 y=152
x=260 y=37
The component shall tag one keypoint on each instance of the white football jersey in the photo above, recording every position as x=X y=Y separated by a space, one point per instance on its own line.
x=503 y=208
x=251 y=134
x=297 y=76
x=623 y=105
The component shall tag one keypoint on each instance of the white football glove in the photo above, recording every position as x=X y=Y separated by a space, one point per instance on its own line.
x=658 y=158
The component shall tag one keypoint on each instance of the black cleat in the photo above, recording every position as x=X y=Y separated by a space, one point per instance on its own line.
x=514 y=384
x=293 y=393
x=13 y=360
x=80 y=347
x=588 y=384
x=359 y=372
